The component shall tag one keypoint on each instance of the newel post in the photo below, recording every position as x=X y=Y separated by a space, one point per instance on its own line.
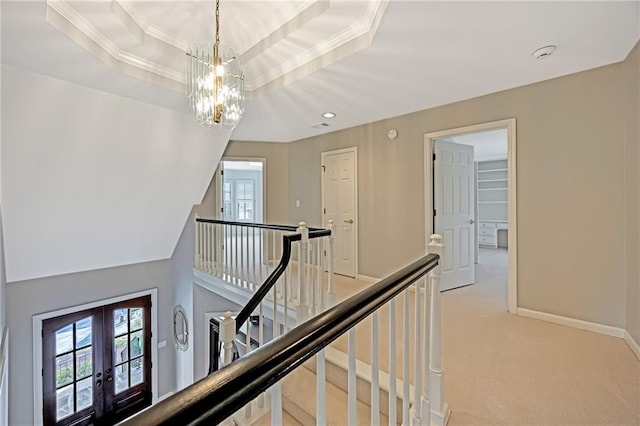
x=227 y=335
x=302 y=310
x=439 y=409
x=331 y=295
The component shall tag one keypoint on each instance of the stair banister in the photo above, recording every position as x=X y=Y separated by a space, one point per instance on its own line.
x=219 y=395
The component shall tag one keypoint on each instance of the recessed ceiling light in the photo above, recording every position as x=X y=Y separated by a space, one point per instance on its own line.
x=329 y=114
x=544 y=52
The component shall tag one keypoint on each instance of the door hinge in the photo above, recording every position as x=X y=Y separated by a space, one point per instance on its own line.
x=324 y=210
x=221 y=209
x=42 y=372
x=434 y=212
x=221 y=172
x=325 y=252
x=323 y=168
x=434 y=156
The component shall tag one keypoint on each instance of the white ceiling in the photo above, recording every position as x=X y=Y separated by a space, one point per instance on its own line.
x=364 y=60
x=489 y=145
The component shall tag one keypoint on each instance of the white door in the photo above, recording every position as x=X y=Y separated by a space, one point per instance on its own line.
x=339 y=204
x=454 y=201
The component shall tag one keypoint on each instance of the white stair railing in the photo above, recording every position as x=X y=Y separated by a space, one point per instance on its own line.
x=244 y=255
x=421 y=379
x=225 y=392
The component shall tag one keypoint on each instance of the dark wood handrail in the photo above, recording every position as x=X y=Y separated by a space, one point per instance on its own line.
x=258 y=225
x=275 y=275
x=217 y=396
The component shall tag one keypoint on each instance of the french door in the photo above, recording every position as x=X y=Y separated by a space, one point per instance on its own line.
x=97 y=364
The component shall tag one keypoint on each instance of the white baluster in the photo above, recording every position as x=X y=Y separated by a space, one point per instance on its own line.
x=247 y=408
x=227 y=335
x=393 y=398
x=331 y=295
x=255 y=257
x=285 y=300
x=236 y=267
x=220 y=249
x=205 y=245
x=241 y=271
x=426 y=404
x=439 y=409
x=273 y=244
x=405 y=359
x=303 y=305
x=260 y=344
x=417 y=360
x=276 y=391
x=352 y=400
x=228 y=252
x=276 y=404
x=375 y=372
x=196 y=251
x=320 y=306
x=321 y=391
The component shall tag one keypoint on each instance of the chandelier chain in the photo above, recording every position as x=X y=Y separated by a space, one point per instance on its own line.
x=217 y=21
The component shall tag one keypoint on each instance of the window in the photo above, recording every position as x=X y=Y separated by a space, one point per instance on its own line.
x=245 y=199
x=226 y=200
x=97 y=364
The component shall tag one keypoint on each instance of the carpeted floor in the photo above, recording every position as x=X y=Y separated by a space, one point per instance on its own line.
x=501 y=369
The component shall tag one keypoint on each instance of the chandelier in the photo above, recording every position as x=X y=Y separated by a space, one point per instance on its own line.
x=215 y=83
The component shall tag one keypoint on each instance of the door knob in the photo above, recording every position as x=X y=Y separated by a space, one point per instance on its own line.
x=471 y=221
x=348 y=221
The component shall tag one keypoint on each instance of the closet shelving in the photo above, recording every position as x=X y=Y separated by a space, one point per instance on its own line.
x=492 y=200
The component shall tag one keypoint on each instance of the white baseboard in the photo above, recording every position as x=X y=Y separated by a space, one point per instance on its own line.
x=635 y=347
x=367 y=279
x=572 y=322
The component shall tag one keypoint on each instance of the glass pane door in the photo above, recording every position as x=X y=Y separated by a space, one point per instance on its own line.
x=97 y=364
x=72 y=372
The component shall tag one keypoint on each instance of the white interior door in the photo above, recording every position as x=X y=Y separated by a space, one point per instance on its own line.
x=454 y=201
x=339 y=205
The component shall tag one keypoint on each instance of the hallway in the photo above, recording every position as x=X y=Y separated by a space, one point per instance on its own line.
x=502 y=369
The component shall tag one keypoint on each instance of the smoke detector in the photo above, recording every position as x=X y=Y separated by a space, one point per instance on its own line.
x=544 y=52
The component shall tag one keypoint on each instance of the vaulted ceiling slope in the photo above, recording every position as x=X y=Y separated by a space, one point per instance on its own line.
x=93 y=180
x=365 y=59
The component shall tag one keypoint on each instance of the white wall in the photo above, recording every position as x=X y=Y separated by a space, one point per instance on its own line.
x=93 y=180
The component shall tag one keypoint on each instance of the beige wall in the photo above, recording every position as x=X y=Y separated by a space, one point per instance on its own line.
x=571 y=188
x=276 y=174
x=631 y=81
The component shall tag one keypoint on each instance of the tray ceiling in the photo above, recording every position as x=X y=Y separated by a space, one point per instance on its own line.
x=278 y=41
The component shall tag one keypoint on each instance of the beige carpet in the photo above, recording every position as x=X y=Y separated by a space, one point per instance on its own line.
x=501 y=369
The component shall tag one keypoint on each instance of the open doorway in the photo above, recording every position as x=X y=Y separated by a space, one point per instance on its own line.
x=241 y=189
x=472 y=194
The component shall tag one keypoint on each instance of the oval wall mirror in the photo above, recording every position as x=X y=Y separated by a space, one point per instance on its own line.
x=180 y=328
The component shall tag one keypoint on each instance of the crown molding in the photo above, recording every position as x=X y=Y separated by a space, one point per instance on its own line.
x=354 y=38
x=67 y=20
